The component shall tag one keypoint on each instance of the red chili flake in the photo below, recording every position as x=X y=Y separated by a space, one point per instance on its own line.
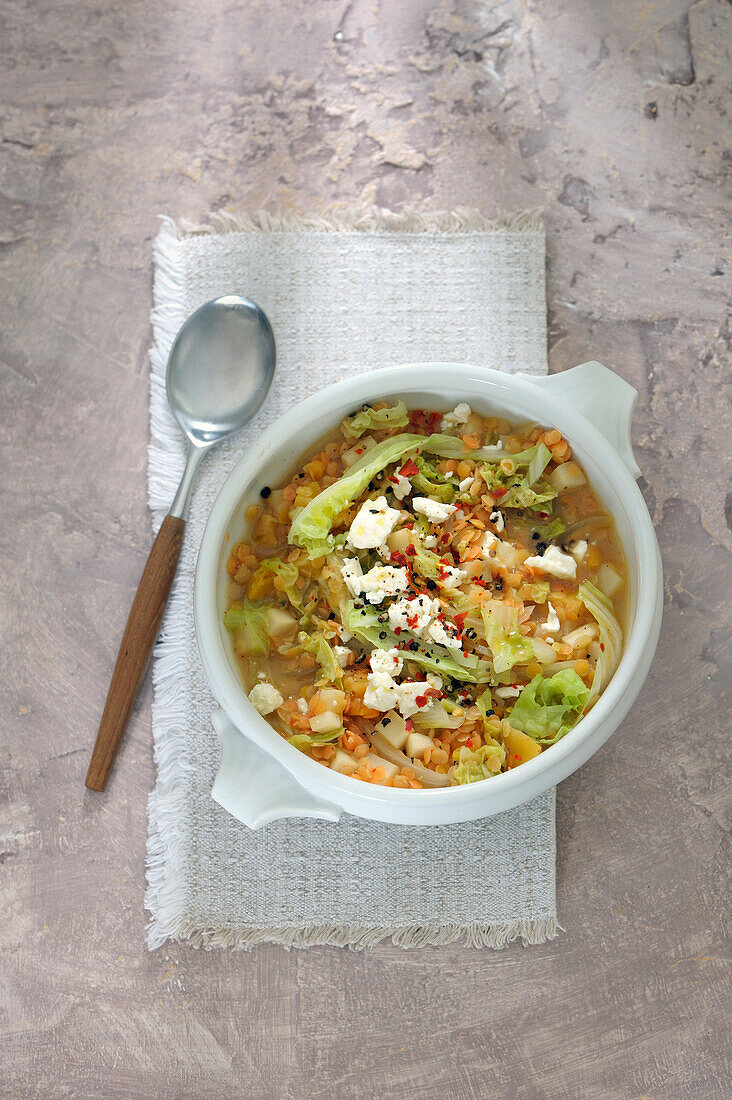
x=602 y=646
x=397 y=630
x=359 y=450
x=543 y=515
x=393 y=479
x=409 y=469
x=409 y=725
x=410 y=550
x=445 y=538
x=469 y=742
x=499 y=492
x=433 y=420
x=398 y=557
x=409 y=526
x=460 y=619
x=421 y=700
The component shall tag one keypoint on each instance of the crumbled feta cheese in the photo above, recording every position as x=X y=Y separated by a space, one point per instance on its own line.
x=401 y=485
x=450 y=577
x=302 y=706
x=352 y=573
x=579 y=551
x=508 y=692
x=445 y=633
x=429 y=542
x=489 y=545
x=466 y=483
x=381 y=692
x=555 y=562
x=383 y=581
x=265 y=698
x=346 y=635
x=409 y=693
x=459 y=415
x=435 y=510
x=413 y=613
x=342 y=653
x=434 y=680
x=551 y=626
x=497 y=519
x=373 y=523
x=386 y=660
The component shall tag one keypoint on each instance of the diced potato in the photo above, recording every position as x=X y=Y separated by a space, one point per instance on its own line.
x=543 y=651
x=398 y=541
x=567 y=476
x=581 y=637
x=327 y=722
x=519 y=747
x=511 y=556
x=378 y=762
x=333 y=699
x=417 y=743
x=342 y=762
x=394 y=729
x=609 y=580
x=358 y=450
x=279 y=622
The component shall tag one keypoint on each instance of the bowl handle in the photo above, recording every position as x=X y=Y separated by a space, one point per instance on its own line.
x=254 y=788
x=604 y=398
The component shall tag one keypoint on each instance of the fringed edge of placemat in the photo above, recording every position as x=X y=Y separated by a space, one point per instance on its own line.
x=358 y=937
x=375 y=219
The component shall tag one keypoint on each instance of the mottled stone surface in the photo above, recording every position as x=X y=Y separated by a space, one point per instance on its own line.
x=611 y=116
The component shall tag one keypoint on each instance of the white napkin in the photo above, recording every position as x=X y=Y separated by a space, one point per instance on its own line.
x=343 y=295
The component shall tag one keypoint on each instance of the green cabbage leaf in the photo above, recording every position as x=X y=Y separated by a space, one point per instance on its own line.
x=611 y=636
x=373 y=420
x=549 y=707
x=310 y=528
x=476 y=764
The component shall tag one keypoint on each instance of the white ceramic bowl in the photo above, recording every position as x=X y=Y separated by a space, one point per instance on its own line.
x=261 y=777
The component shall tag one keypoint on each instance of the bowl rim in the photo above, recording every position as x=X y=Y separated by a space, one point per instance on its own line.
x=612 y=705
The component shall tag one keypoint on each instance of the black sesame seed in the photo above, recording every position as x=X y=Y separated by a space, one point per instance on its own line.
x=541 y=547
x=265 y=492
x=498 y=584
x=383 y=617
x=364 y=612
x=535 y=535
x=431 y=586
x=414 y=646
x=331 y=614
x=382 y=634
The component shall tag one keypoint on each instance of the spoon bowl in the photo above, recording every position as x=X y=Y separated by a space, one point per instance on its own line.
x=220 y=369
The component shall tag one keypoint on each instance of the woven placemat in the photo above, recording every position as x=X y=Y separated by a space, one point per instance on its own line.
x=344 y=294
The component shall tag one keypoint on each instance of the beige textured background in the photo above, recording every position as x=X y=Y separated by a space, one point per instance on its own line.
x=613 y=117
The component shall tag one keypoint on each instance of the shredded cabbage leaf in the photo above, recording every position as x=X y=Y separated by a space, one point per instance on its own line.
x=311 y=527
x=484 y=703
x=288 y=573
x=537 y=591
x=507 y=645
x=476 y=764
x=303 y=741
x=431 y=483
x=373 y=420
x=318 y=645
x=548 y=708
x=249 y=621
x=365 y=625
x=611 y=636
x=549 y=531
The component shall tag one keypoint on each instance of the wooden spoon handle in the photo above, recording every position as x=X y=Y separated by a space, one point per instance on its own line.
x=139 y=637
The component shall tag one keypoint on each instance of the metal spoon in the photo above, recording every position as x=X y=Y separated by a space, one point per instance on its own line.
x=220 y=370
